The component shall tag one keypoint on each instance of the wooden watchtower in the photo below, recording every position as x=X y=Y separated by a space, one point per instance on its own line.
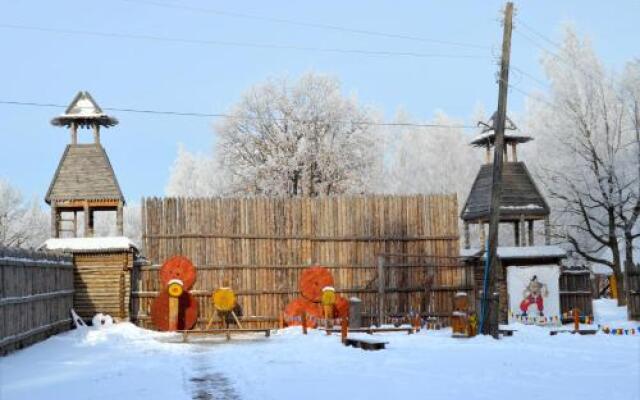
x=521 y=204
x=84 y=181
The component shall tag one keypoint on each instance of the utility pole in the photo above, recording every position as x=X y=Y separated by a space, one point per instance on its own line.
x=494 y=273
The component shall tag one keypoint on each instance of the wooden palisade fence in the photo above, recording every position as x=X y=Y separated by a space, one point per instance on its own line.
x=36 y=294
x=260 y=246
x=633 y=285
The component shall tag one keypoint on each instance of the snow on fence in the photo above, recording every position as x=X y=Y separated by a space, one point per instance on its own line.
x=261 y=245
x=36 y=294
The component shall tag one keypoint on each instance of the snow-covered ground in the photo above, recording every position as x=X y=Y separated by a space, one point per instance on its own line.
x=125 y=362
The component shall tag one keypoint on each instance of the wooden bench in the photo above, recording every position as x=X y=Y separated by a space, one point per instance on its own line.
x=572 y=331
x=227 y=332
x=370 y=331
x=365 y=344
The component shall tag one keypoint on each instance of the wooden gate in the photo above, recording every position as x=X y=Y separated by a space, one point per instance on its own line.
x=576 y=292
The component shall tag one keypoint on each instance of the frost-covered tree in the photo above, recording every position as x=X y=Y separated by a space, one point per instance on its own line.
x=429 y=159
x=629 y=185
x=582 y=151
x=105 y=223
x=300 y=138
x=197 y=175
x=22 y=223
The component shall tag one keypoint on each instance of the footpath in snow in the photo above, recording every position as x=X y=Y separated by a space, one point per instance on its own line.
x=126 y=362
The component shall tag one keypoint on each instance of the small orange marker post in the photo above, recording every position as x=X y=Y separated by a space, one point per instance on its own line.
x=576 y=319
x=304 y=322
x=416 y=323
x=344 y=329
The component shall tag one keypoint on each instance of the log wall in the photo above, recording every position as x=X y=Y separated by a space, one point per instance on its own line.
x=102 y=282
x=261 y=245
x=36 y=294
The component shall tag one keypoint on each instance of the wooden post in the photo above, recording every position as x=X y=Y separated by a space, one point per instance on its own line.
x=75 y=223
x=483 y=237
x=381 y=290
x=121 y=296
x=416 y=322
x=119 y=219
x=613 y=284
x=54 y=221
x=495 y=270
x=281 y=321
x=173 y=313
x=487 y=158
x=523 y=230
x=576 y=319
x=344 y=329
x=514 y=154
x=530 y=233
x=87 y=232
x=96 y=133
x=467 y=235
x=516 y=233
x=304 y=322
x=74 y=133
x=547 y=231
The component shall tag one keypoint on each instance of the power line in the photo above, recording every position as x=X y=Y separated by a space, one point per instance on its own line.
x=308 y=24
x=537 y=33
x=223 y=115
x=530 y=76
x=569 y=62
x=236 y=44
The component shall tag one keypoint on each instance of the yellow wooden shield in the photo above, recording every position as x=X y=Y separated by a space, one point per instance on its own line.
x=224 y=299
x=328 y=296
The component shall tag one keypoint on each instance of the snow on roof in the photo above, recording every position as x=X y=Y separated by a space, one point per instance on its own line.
x=88 y=244
x=505 y=252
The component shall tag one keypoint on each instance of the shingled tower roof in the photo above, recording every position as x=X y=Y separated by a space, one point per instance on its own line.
x=84 y=173
x=520 y=195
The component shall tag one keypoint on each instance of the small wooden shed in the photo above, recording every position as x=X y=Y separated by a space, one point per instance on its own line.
x=515 y=259
x=102 y=273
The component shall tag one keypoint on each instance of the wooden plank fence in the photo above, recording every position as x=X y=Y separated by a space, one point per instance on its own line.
x=36 y=294
x=633 y=285
x=261 y=245
x=576 y=292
